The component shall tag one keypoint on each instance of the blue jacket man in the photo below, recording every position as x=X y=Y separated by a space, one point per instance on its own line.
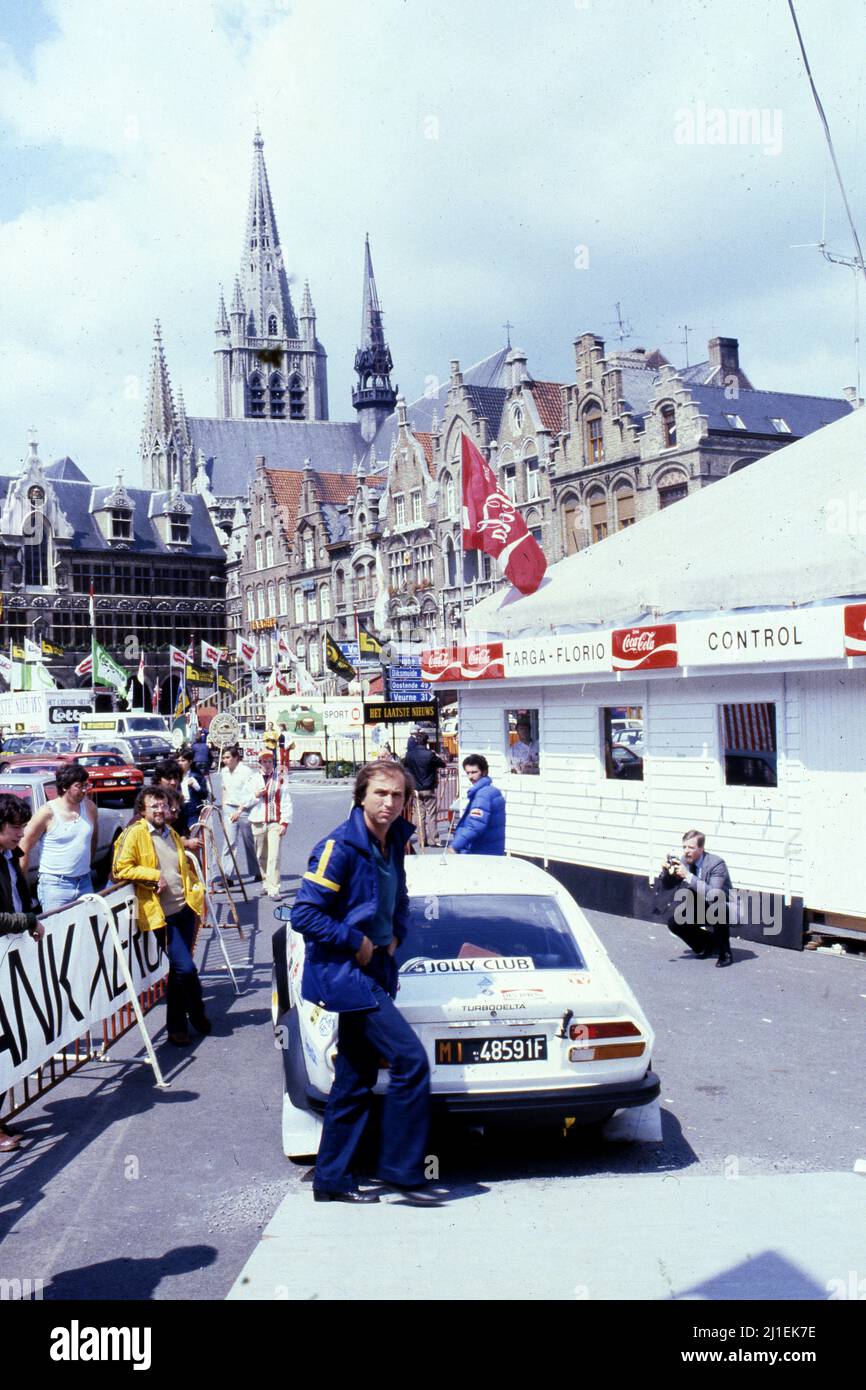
x=352 y=910
x=481 y=828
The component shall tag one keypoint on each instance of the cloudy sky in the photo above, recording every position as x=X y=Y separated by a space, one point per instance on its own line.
x=535 y=162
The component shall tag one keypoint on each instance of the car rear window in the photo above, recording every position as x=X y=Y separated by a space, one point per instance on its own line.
x=460 y=927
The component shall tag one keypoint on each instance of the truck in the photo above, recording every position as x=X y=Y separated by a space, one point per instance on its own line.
x=309 y=718
x=44 y=711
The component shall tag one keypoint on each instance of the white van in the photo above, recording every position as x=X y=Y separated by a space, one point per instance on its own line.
x=133 y=722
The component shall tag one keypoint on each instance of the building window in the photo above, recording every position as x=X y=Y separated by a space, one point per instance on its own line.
x=749 y=745
x=299 y=606
x=260 y=601
x=340 y=586
x=672 y=492
x=257 y=395
x=450 y=563
x=449 y=496
x=121 y=524
x=259 y=561
x=301 y=651
x=269 y=551
x=400 y=511
x=509 y=482
x=272 y=325
x=735 y=422
x=263 y=649
x=593 y=435
x=262 y=521
x=296 y=399
x=487 y=564
x=622 y=735
x=598 y=516
x=278 y=396
x=669 y=427
x=521 y=741
x=179 y=529
x=325 y=601
x=782 y=426
x=624 y=508
x=272 y=601
x=572 y=525
x=315 y=658
x=309 y=551
x=533 y=491
x=284 y=596
x=312 y=615
x=251 y=606
x=416 y=506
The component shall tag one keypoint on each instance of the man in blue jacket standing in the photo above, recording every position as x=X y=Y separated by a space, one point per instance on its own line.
x=481 y=828
x=352 y=909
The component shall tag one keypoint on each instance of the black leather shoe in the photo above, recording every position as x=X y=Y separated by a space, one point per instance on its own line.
x=416 y=1196
x=353 y=1197
x=202 y=1025
x=726 y=958
x=703 y=955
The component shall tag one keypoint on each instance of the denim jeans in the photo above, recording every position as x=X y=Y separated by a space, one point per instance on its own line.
x=183 y=997
x=59 y=890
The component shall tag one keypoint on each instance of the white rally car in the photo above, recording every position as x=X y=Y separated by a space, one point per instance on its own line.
x=519 y=1007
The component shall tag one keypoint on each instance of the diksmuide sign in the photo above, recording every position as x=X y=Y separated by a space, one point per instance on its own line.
x=54 y=990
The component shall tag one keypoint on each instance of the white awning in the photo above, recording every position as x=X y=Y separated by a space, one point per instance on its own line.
x=787 y=530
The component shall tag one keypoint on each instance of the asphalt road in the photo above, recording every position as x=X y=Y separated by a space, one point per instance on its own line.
x=125 y=1191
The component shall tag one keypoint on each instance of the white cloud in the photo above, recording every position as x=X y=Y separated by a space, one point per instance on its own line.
x=478 y=144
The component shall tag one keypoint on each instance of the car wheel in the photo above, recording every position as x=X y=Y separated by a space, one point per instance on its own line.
x=312 y=760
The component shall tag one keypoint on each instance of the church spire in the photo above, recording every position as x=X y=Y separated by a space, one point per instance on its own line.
x=263 y=277
x=162 y=436
x=374 y=396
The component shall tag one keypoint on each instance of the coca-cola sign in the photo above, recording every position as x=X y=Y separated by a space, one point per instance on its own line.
x=440 y=664
x=855 y=629
x=482 y=662
x=644 y=648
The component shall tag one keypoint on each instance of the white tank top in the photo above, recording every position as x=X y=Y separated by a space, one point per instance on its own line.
x=66 y=845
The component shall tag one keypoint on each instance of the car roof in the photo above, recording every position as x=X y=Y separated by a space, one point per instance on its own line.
x=477 y=873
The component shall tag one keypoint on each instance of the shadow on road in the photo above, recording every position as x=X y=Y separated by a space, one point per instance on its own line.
x=126 y=1277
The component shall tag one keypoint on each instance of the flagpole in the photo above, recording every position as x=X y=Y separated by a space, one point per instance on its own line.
x=462 y=551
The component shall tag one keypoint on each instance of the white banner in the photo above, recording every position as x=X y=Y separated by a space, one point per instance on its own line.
x=804 y=634
x=52 y=991
x=575 y=654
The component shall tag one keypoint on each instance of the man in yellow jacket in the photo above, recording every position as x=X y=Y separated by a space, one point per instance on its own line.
x=150 y=855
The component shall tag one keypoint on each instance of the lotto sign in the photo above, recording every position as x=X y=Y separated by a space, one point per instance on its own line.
x=644 y=648
x=855 y=629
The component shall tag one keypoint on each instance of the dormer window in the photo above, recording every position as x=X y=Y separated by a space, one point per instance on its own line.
x=735 y=422
x=179 y=528
x=781 y=426
x=121 y=524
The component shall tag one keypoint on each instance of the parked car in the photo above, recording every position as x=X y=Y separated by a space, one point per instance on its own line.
x=626 y=763
x=112 y=781
x=18 y=743
x=143 y=751
x=520 y=1010
x=38 y=787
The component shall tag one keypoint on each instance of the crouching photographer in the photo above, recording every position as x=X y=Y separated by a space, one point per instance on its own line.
x=701 y=915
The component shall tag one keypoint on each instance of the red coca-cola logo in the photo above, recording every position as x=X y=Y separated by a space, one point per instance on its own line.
x=855 y=629
x=484 y=662
x=441 y=663
x=644 y=648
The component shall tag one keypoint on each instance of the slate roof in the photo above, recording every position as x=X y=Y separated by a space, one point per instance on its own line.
x=65 y=468
x=74 y=498
x=489 y=372
x=231 y=447
x=758 y=409
x=488 y=401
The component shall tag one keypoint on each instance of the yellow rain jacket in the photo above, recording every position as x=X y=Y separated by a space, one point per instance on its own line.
x=135 y=862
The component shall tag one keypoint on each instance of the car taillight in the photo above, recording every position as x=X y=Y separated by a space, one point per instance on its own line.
x=589 y=1032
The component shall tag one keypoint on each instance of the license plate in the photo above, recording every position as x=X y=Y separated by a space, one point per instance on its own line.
x=461 y=1052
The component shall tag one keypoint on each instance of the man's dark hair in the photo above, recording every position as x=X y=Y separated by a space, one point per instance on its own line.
x=13 y=810
x=186 y=753
x=422 y=738
x=476 y=760
x=233 y=752
x=158 y=792
x=380 y=768
x=697 y=835
x=68 y=775
x=167 y=768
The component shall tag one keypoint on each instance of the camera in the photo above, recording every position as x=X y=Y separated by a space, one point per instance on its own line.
x=674 y=859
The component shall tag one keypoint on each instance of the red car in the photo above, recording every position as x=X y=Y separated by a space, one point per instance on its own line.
x=112 y=781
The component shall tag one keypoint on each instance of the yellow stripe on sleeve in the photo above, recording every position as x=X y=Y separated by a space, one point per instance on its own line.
x=319 y=875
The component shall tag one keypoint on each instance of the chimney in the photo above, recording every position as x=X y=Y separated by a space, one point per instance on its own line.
x=724 y=355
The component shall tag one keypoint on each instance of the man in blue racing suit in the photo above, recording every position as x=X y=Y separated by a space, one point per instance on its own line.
x=481 y=828
x=352 y=909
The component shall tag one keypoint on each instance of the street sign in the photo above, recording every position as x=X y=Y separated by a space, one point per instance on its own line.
x=409 y=693
x=398 y=713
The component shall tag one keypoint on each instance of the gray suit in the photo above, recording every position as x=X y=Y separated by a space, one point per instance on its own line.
x=701 y=916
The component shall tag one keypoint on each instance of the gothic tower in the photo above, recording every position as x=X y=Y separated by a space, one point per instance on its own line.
x=165 y=440
x=374 y=396
x=269 y=364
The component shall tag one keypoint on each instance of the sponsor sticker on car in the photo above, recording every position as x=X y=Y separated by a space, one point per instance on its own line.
x=470 y=965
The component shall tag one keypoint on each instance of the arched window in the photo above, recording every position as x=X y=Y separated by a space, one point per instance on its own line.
x=299 y=606
x=301 y=651
x=597 y=515
x=272 y=601
x=309 y=551
x=669 y=427
x=269 y=551
x=449 y=496
x=263 y=649
x=272 y=326
x=284 y=596
x=339 y=586
x=260 y=601
x=296 y=398
x=257 y=395
x=251 y=606
x=325 y=601
x=277 y=388
x=35 y=537
x=572 y=525
x=672 y=488
x=450 y=562
x=470 y=566
x=312 y=613
x=592 y=434
x=624 y=500
x=258 y=552
x=315 y=658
